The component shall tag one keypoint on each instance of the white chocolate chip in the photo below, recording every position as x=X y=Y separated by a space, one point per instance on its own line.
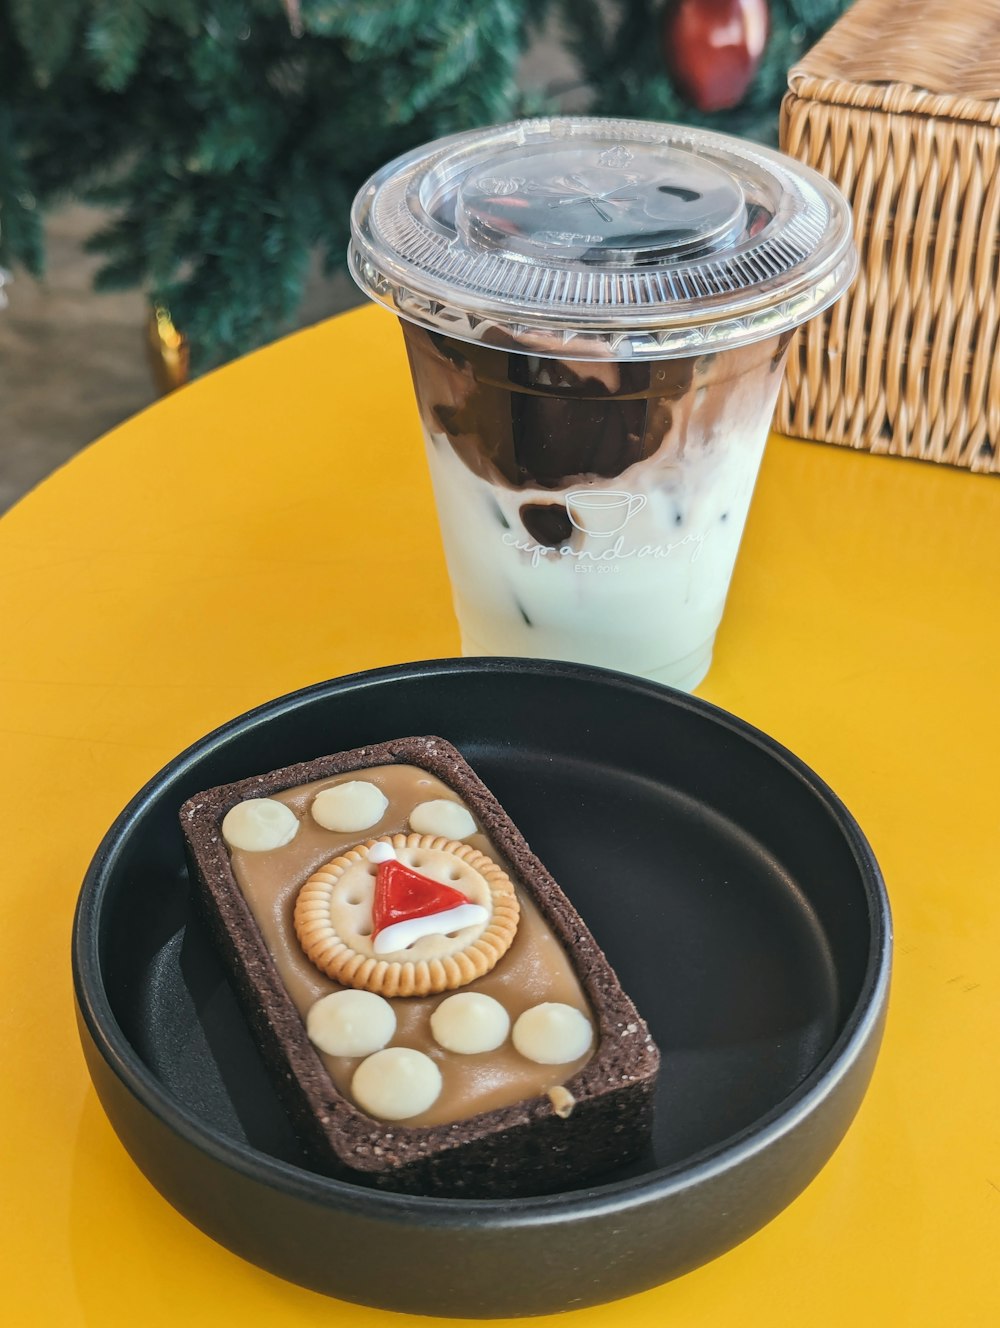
x=552 y=1033
x=396 y=1083
x=355 y=805
x=470 y=1022
x=259 y=824
x=351 y=1023
x=441 y=816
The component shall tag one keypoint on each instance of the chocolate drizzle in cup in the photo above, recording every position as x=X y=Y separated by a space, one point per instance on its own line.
x=537 y=422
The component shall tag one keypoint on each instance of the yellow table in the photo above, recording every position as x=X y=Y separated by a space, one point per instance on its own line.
x=862 y=632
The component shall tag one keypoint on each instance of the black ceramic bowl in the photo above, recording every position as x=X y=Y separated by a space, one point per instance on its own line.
x=732 y=891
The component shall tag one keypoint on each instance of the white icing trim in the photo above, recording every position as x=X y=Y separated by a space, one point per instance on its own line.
x=401 y=935
x=381 y=852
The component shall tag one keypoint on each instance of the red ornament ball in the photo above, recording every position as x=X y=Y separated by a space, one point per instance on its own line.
x=713 y=48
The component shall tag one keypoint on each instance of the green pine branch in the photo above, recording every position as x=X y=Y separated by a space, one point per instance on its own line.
x=47 y=33
x=20 y=217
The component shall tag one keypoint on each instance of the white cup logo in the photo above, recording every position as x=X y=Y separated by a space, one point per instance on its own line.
x=603 y=511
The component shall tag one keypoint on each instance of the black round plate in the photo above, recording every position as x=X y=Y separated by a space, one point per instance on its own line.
x=731 y=890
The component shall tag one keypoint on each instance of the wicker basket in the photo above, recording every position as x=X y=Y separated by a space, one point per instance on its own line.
x=900 y=105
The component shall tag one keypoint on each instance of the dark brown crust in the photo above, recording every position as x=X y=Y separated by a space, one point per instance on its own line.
x=522 y=1149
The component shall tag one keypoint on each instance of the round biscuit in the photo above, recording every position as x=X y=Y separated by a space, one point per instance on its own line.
x=333 y=919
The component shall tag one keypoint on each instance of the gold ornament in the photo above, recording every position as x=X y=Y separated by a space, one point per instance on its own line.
x=169 y=353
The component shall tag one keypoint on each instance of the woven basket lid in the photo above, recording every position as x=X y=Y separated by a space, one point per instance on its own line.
x=936 y=58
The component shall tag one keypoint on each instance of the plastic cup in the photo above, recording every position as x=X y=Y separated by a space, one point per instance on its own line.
x=597 y=314
x=621 y=557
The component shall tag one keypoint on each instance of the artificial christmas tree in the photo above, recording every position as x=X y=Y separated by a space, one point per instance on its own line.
x=227 y=137
x=227 y=148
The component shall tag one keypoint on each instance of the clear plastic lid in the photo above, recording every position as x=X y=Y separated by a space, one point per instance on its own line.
x=598 y=238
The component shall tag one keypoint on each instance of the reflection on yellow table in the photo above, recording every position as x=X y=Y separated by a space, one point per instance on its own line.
x=271 y=526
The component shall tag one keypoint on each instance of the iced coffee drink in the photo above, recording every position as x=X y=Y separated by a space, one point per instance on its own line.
x=593 y=511
x=597 y=316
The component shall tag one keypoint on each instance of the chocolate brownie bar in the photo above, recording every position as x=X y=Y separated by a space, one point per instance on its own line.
x=391 y=872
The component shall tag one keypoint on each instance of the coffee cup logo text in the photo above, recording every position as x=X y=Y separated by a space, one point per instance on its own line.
x=616 y=553
x=602 y=513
